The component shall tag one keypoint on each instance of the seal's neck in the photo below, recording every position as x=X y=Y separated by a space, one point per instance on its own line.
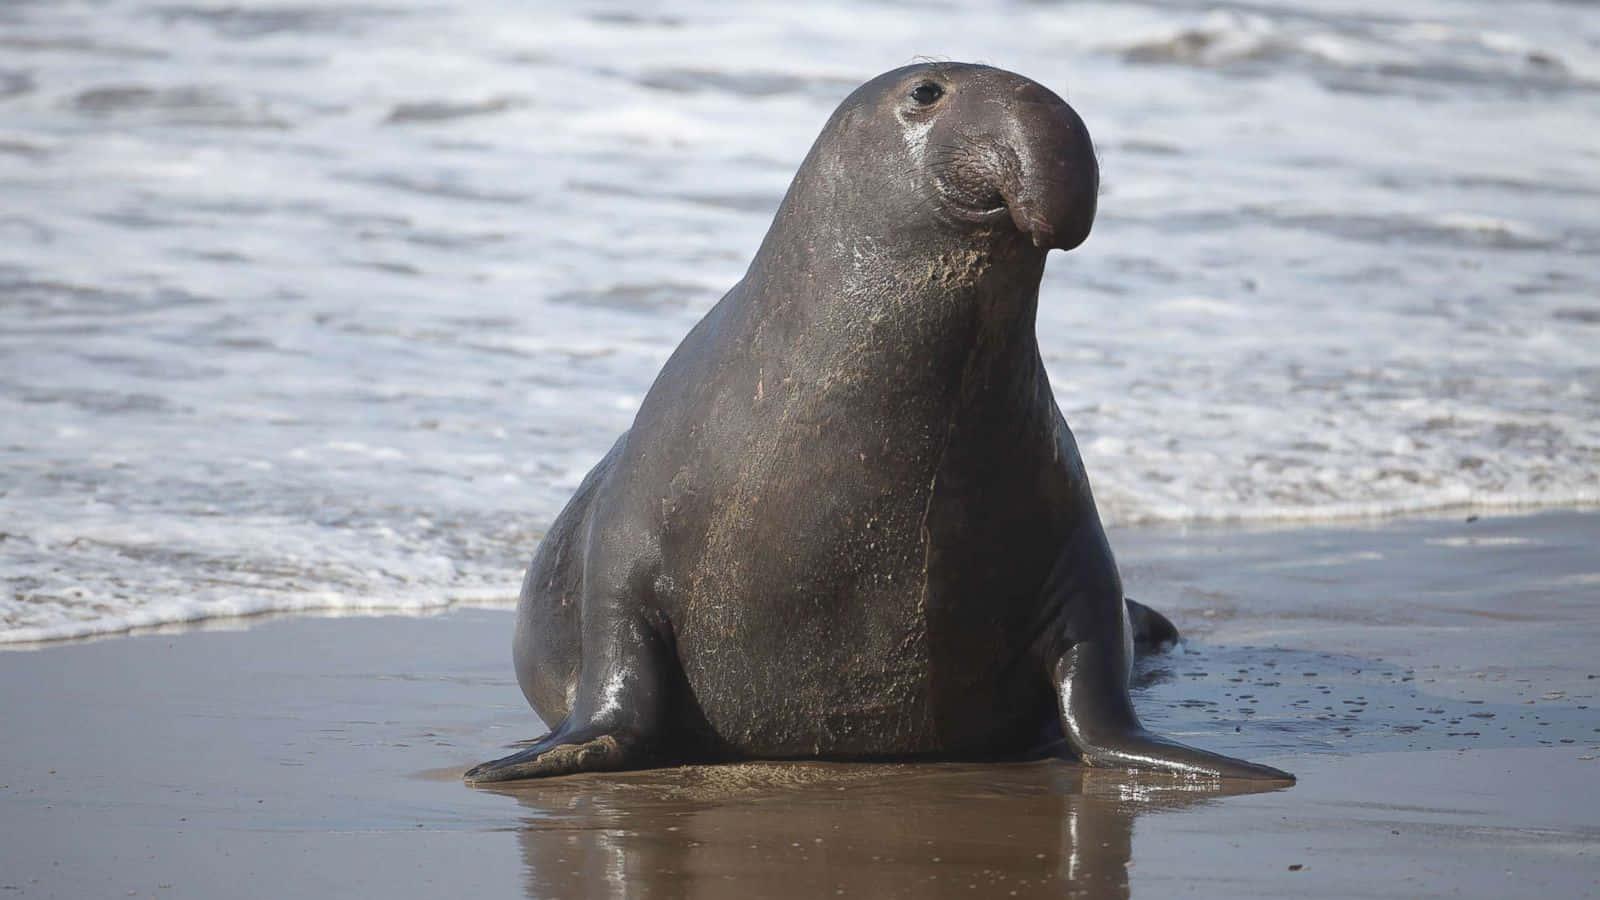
x=925 y=295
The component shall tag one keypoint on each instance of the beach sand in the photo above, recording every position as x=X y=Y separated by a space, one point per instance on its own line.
x=1433 y=684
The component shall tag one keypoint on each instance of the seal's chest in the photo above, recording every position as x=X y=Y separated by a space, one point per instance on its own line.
x=873 y=671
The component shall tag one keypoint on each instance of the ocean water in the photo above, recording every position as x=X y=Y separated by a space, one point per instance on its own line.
x=311 y=305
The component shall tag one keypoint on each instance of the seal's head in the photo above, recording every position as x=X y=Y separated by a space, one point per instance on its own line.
x=958 y=149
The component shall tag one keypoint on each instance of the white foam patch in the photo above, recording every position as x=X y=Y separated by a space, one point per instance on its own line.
x=1321 y=562
x=156 y=616
x=1490 y=541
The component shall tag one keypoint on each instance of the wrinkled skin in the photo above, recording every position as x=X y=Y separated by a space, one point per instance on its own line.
x=849 y=521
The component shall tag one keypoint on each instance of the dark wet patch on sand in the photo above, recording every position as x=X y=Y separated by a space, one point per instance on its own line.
x=1043 y=828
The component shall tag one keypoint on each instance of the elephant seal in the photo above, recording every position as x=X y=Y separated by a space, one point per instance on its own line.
x=849 y=521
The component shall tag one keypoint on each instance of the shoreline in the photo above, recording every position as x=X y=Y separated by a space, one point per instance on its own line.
x=1137 y=532
x=1431 y=683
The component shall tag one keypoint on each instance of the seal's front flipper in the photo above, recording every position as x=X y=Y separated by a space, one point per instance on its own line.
x=1152 y=632
x=617 y=715
x=1098 y=719
x=562 y=752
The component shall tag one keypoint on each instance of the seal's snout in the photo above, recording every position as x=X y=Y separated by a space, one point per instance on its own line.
x=1000 y=147
x=1052 y=199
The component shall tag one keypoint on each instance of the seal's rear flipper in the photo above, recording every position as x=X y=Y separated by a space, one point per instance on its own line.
x=1098 y=719
x=1152 y=632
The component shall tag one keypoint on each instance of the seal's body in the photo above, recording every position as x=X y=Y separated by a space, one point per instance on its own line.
x=849 y=520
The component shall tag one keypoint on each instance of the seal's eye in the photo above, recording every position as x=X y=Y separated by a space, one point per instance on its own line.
x=927 y=93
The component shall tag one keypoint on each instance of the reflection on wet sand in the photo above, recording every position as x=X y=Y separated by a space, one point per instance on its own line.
x=1044 y=828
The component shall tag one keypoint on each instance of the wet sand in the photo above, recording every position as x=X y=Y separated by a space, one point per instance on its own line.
x=1432 y=683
